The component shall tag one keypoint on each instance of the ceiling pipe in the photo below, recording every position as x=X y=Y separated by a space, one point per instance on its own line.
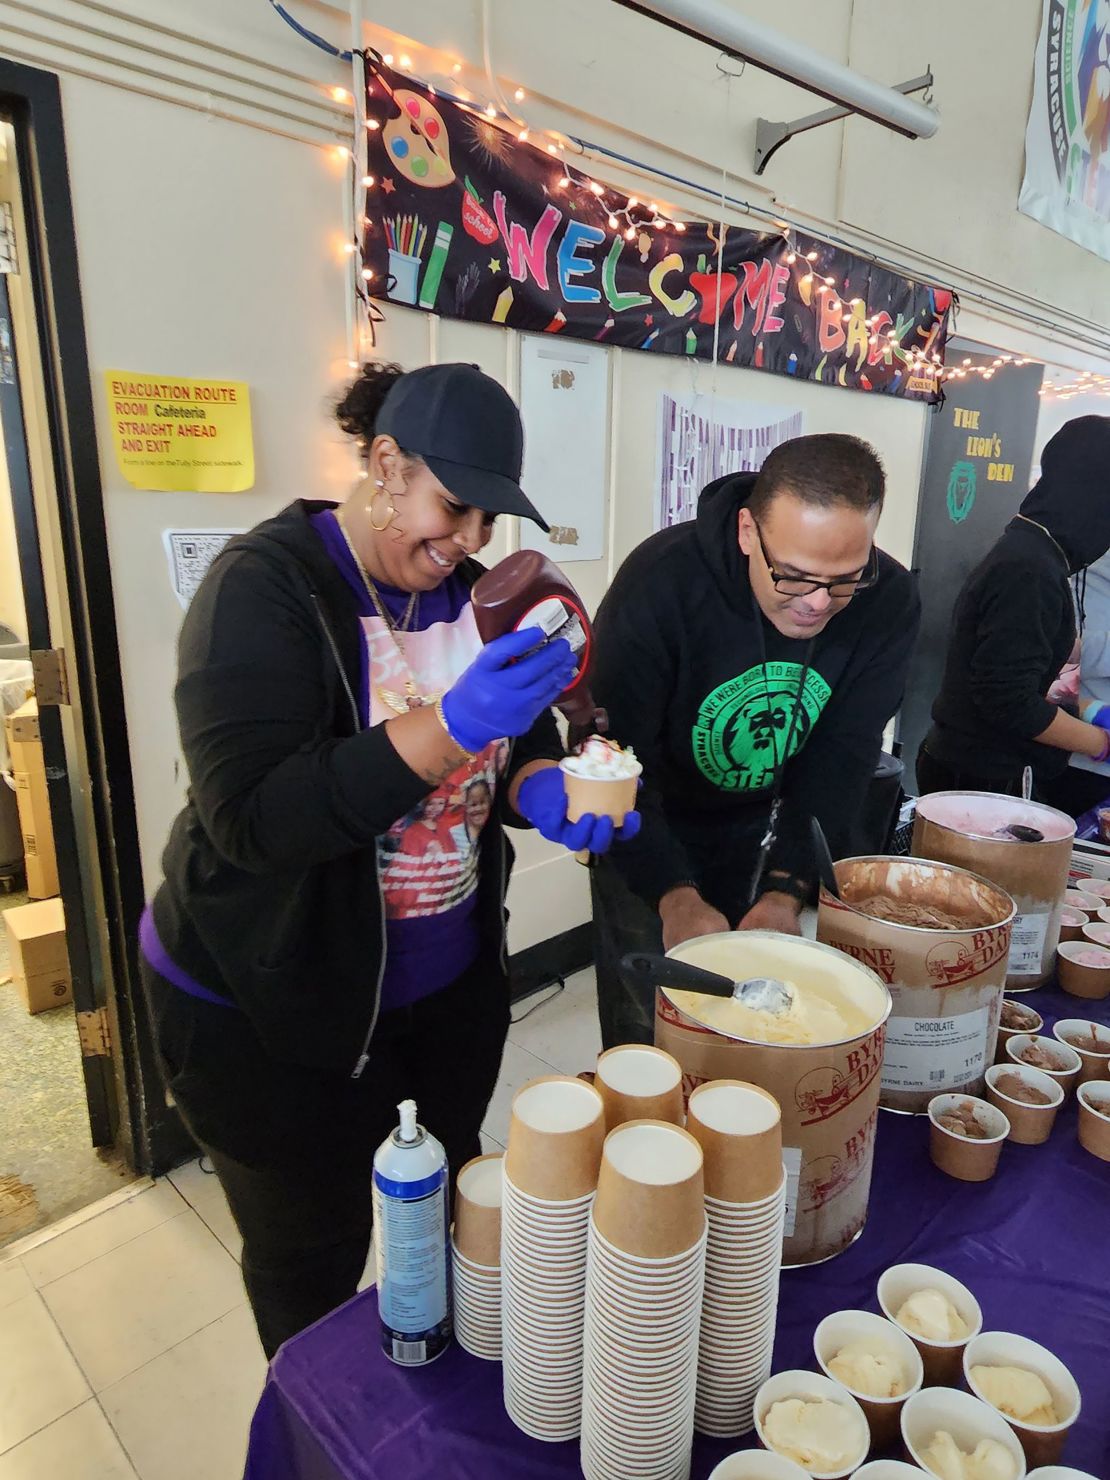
x=719 y=25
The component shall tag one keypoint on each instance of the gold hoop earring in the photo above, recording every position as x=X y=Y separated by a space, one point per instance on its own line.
x=380 y=528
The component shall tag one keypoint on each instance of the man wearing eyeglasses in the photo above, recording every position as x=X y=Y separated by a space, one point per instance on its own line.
x=752 y=658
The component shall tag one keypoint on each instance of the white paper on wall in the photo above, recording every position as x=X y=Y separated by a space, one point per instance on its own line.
x=564 y=401
x=704 y=437
x=189 y=553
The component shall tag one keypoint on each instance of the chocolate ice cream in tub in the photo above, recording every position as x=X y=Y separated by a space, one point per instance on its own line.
x=966 y=1136
x=939 y=937
x=1023 y=847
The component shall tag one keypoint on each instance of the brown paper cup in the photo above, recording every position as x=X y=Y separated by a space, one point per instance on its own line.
x=603 y=798
x=813 y=1386
x=556 y=1132
x=651 y=1190
x=959 y=1156
x=966 y=1418
x=1094 y=1129
x=1044 y=1444
x=739 y=1129
x=1036 y=1025
x=942 y=1360
x=1030 y=1125
x=1077 y=976
x=1072 y=922
x=844 y=1326
x=478 y=1210
x=1095 y=1060
x=637 y=1082
x=1064 y=1055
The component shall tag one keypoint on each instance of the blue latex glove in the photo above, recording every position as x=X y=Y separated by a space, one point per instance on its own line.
x=542 y=801
x=503 y=692
x=1097 y=714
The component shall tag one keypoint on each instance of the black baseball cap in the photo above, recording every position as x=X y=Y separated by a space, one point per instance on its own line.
x=467 y=429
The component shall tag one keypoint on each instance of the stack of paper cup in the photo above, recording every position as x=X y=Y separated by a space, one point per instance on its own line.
x=476 y=1258
x=739 y=1129
x=643 y=1308
x=550 y=1172
x=637 y=1082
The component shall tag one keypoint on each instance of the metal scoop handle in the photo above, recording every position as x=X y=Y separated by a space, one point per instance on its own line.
x=664 y=971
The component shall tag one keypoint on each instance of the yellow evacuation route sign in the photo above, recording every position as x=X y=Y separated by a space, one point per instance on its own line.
x=181 y=436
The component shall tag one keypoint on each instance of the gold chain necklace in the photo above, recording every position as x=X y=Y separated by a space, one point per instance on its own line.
x=412 y=698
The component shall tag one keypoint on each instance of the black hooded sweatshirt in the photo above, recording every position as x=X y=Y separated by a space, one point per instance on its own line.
x=1013 y=625
x=705 y=689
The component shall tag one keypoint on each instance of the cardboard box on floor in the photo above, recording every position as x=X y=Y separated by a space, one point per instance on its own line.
x=25 y=750
x=39 y=956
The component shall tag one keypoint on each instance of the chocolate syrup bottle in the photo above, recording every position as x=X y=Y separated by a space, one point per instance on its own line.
x=528 y=590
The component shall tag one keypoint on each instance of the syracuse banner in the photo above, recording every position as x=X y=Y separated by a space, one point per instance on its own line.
x=1067 y=143
x=470 y=222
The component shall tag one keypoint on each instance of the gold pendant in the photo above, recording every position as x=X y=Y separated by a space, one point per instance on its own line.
x=402 y=703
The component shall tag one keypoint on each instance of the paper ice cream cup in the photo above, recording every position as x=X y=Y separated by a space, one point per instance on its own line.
x=1094 y=1129
x=650 y=1190
x=1043 y=1443
x=739 y=1128
x=556 y=1132
x=1066 y=1057
x=1083 y=967
x=960 y=1156
x=478 y=1210
x=1030 y=1125
x=606 y=796
x=1095 y=1061
x=758 y=1464
x=942 y=1360
x=1005 y=1034
x=812 y=1386
x=637 y=1082
x=844 y=1326
x=967 y=1419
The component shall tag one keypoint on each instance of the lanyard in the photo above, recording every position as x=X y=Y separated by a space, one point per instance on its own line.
x=771 y=835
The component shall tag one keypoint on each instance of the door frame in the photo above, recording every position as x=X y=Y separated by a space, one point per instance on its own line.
x=32 y=100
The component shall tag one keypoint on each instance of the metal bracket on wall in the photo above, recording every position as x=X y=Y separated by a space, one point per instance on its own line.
x=770 y=137
x=51 y=680
x=94 y=1034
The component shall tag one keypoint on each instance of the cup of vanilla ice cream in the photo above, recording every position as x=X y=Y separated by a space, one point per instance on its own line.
x=602 y=779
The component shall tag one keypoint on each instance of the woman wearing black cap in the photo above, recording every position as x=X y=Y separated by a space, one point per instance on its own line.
x=1014 y=627
x=323 y=944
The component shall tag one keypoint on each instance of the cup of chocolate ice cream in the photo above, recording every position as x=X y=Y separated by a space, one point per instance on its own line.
x=965 y=1136
x=1058 y=1060
x=1091 y=1042
x=1017 y=1017
x=1094 y=1118
x=1028 y=1099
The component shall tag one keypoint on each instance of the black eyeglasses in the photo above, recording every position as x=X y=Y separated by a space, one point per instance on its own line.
x=840 y=590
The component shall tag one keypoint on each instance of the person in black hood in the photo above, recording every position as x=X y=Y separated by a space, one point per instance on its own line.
x=1014 y=627
x=752 y=658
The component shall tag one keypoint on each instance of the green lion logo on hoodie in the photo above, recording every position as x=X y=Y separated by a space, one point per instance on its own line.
x=741 y=729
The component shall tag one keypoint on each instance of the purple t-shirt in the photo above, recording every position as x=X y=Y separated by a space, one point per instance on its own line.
x=428 y=861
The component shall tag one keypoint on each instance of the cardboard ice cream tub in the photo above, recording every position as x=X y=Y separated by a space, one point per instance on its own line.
x=969 y=829
x=828 y=1089
x=947 y=985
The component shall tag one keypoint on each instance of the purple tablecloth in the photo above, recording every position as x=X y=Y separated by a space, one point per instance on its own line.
x=1032 y=1244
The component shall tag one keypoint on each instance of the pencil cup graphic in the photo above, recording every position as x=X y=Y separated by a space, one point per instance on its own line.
x=404 y=274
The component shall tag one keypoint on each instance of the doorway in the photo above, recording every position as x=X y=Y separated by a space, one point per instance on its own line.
x=73 y=1076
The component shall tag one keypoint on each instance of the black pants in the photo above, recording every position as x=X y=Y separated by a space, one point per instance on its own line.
x=934 y=775
x=622 y=922
x=294 y=1147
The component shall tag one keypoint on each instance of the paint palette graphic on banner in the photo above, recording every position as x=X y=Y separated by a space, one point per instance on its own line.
x=470 y=222
x=705 y=437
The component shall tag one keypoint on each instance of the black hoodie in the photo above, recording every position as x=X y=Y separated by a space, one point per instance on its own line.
x=271 y=895
x=1013 y=625
x=704 y=687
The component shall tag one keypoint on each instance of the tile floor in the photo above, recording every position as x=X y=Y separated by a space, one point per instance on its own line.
x=127 y=1351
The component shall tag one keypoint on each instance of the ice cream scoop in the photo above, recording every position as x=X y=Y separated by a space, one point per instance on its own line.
x=760 y=993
